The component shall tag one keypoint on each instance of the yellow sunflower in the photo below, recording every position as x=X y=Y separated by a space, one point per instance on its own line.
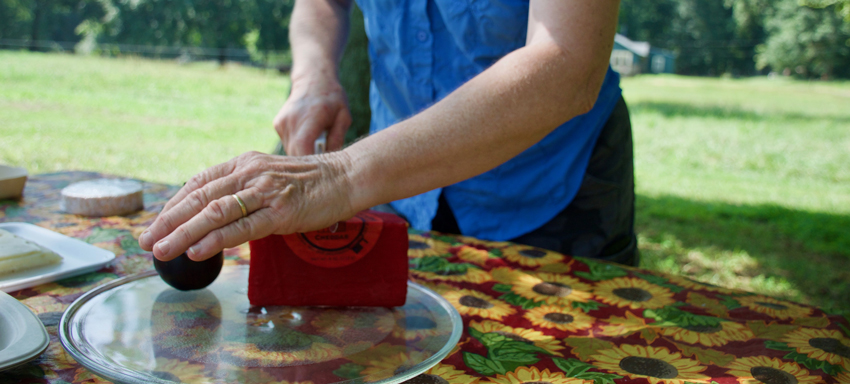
x=551 y=288
x=412 y=325
x=420 y=246
x=562 y=318
x=388 y=366
x=314 y=353
x=473 y=303
x=486 y=243
x=821 y=344
x=184 y=371
x=444 y=373
x=55 y=359
x=687 y=283
x=473 y=255
x=531 y=256
x=505 y=275
x=85 y=376
x=523 y=375
x=772 y=307
x=68 y=225
x=74 y=285
x=656 y=364
x=710 y=336
x=763 y=369
x=472 y=275
x=44 y=304
x=633 y=293
x=336 y=322
x=843 y=377
x=529 y=336
x=624 y=325
x=289 y=382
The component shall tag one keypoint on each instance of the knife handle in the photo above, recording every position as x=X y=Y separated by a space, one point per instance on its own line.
x=320 y=145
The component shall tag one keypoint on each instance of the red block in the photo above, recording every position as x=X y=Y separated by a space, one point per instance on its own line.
x=358 y=262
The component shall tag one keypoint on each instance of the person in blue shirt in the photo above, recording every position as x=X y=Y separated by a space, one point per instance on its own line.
x=500 y=120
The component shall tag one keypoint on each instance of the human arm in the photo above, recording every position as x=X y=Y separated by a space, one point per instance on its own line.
x=489 y=120
x=317 y=103
x=499 y=113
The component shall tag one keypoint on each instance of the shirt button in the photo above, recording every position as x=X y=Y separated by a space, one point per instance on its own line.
x=422 y=36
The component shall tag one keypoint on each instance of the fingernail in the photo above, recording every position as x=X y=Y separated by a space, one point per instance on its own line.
x=163 y=247
x=143 y=239
x=192 y=252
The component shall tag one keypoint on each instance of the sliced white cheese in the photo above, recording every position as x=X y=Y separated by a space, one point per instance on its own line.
x=17 y=254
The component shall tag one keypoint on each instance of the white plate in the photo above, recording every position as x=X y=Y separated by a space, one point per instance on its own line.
x=22 y=335
x=78 y=257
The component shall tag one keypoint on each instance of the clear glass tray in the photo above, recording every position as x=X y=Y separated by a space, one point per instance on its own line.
x=139 y=330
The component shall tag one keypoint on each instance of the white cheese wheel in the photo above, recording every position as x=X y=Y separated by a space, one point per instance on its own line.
x=103 y=197
x=17 y=254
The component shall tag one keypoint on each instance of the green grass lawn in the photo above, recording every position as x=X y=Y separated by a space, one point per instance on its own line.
x=741 y=183
x=745 y=183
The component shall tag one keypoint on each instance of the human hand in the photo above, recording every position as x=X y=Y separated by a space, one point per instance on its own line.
x=316 y=104
x=282 y=195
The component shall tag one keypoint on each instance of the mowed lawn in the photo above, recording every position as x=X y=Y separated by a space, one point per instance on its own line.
x=741 y=183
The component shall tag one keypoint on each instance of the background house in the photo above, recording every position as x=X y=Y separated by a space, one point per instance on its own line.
x=630 y=58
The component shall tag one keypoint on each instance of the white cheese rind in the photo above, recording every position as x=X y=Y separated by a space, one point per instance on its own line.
x=103 y=197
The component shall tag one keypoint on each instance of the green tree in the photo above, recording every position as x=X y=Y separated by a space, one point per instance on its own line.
x=708 y=37
x=37 y=20
x=806 y=42
x=647 y=20
x=222 y=24
x=842 y=7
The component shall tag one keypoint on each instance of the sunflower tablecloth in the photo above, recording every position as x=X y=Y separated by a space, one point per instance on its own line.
x=529 y=315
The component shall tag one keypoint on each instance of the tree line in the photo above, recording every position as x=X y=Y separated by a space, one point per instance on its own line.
x=803 y=38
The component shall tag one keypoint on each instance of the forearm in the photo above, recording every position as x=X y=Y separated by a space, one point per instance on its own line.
x=489 y=120
x=318 y=31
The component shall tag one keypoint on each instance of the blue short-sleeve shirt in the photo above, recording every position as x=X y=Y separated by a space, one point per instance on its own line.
x=422 y=50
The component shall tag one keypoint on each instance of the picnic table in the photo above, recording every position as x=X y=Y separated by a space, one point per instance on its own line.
x=529 y=315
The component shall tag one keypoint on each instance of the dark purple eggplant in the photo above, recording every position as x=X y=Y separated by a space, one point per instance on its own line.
x=186 y=274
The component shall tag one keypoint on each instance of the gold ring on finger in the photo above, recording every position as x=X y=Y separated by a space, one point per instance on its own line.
x=241 y=205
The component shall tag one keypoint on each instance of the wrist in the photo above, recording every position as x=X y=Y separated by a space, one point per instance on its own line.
x=362 y=187
x=345 y=178
x=314 y=75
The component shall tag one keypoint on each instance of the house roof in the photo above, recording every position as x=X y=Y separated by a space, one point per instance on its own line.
x=640 y=48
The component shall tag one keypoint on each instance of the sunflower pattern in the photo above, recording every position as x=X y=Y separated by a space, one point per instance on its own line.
x=633 y=293
x=468 y=275
x=474 y=303
x=709 y=335
x=524 y=375
x=421 y=246
x=529 y=336
x=445 y=373
x=773 y=307
x=530 y=316
x=657 y=365
x=531 y=256
x=763 y=369
x=548 y=288
x=473 y=255
x=821 y=344
x=560 y=318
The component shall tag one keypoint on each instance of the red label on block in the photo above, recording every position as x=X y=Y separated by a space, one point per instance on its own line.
x=340 y=244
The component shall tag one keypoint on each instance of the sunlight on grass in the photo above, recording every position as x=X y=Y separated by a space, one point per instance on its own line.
x=743 y=183
x=152 y=120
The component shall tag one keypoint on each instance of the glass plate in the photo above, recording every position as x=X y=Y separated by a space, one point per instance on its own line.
x=139 y=330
